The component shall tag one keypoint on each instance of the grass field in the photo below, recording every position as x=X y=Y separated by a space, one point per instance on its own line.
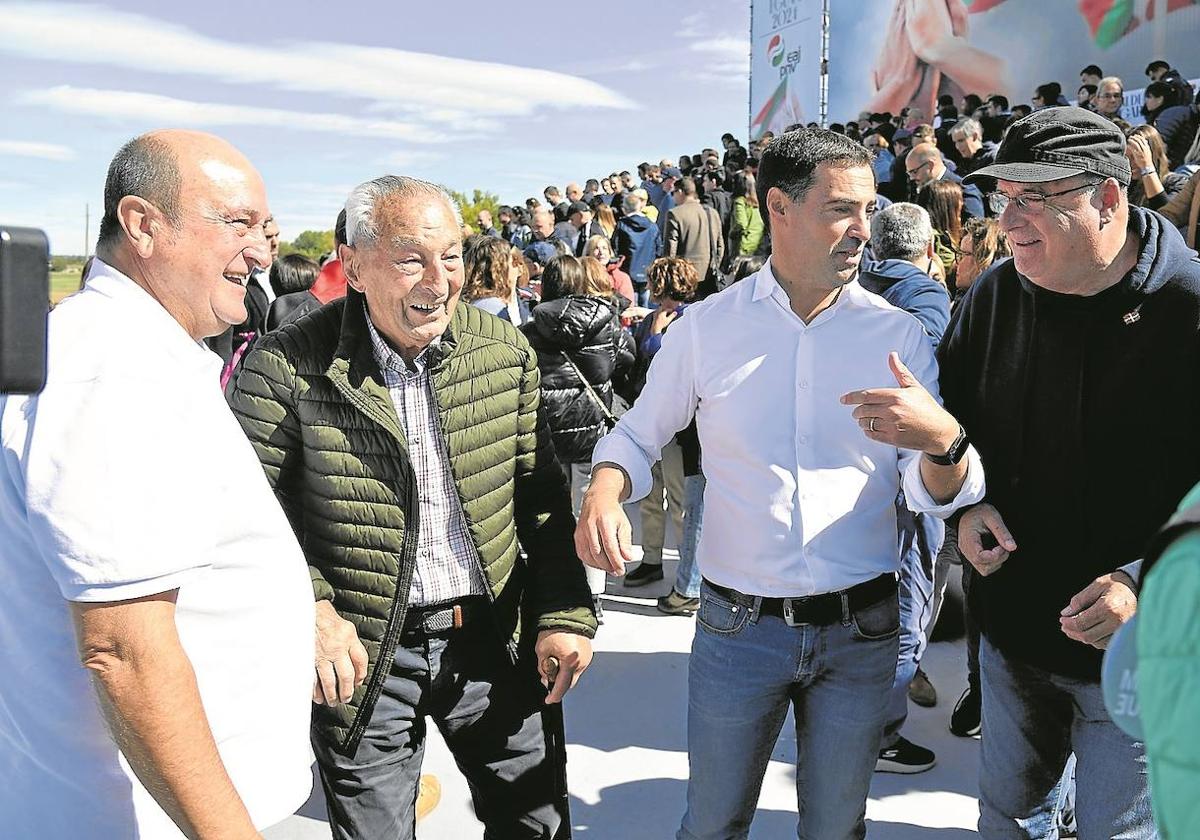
x=62 y=283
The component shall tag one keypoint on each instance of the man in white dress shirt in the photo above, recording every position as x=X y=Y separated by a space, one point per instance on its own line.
x=816 y=402
x=158 y=623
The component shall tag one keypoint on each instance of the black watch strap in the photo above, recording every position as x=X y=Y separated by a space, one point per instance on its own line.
x=956 y=451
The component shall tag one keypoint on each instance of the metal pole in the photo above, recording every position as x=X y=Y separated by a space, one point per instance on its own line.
x=750 y=86
x=824 y=95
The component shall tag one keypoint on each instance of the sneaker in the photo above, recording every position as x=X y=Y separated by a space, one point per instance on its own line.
x=905 y=757
x=644 y=574
x=965 y=719
x=429 y=794
x=921 y=690
x=676 y=604
x=598 y=609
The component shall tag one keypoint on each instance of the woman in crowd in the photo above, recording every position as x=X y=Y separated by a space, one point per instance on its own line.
x=605 y=217
x=1154 y=184
x=576 y=332
x=491 y=278
x=982 y=243
x=622 y=285
x=673 y=283
x=746 y=232
x=1158 y=97
x=944 y=201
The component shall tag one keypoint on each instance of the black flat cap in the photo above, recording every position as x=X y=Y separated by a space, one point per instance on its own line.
x=1054 y=143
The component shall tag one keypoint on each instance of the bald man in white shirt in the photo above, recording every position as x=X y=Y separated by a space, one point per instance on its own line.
x=816 y=402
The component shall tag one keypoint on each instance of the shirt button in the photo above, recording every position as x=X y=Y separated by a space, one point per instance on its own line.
x=803 y=384
x=804 y=439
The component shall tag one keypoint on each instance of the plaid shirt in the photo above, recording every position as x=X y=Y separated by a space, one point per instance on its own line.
x=448 y=564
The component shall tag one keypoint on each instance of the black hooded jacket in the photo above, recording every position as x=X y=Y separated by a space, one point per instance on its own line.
x=1084 y=412
x=587 y=330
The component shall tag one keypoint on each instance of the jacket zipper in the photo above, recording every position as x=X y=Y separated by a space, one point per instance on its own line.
x=408 y=555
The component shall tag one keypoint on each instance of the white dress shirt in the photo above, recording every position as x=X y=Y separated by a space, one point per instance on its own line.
x=799 y=501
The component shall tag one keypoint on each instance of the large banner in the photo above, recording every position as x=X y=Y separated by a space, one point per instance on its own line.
x=785 y=64
x=885 y=55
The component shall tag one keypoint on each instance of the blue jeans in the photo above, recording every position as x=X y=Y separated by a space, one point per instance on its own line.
x=687 y=573
x=920 y=540
x=1032 y=720
x=744 y=671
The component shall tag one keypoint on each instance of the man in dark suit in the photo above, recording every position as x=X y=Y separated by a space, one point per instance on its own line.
x=694 y=232
x=925 y=165
x=578 y=228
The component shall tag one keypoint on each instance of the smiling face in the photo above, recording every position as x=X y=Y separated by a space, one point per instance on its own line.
x=198 y=268
x=1052 y=245
x=823 y=234
x=412 y=273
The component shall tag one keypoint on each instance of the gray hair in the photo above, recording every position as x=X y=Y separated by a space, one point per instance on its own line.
x=362 y=226
x=1111 y=80
x=632 y=203
x=901 y=231
x=969 y=127
x=147 y=167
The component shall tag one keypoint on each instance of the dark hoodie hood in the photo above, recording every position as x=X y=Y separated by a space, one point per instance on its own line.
x=571 y=322
x=638 y=222
x=881 y=275
x=1164 y=253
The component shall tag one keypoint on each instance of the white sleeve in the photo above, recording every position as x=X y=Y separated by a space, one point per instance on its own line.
x=121 y=488
x=919 y=359
x=665 y=407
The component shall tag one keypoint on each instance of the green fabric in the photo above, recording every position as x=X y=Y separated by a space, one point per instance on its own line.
x=1168 y=642
x=747 y=227
x=312 y=401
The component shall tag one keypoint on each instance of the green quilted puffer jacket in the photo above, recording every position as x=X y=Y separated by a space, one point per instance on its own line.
x=312 y=401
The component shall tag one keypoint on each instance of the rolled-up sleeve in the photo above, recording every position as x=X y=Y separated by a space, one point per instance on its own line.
x=920 y=360
x=665 y=406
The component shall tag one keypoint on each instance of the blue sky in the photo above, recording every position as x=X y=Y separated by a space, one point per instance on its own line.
x=505 y=97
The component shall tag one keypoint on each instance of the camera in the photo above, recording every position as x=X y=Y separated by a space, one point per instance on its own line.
x=24 y=306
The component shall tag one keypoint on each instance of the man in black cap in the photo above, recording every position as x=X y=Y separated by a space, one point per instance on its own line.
x=578 y=227
x=1074 y=369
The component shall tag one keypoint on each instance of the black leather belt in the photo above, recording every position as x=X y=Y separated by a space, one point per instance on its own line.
x=442 y=618
x=826 y=608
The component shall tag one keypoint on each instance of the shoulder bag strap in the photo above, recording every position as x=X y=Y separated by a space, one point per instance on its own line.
x=608 y=415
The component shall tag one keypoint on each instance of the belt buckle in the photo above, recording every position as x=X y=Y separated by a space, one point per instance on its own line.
x=789 y=616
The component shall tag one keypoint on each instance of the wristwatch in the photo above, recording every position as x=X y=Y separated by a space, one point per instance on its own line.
x=956 y=451
x=1146 y=170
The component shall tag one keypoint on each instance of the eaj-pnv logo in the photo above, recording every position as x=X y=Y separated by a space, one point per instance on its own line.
x=775 y=50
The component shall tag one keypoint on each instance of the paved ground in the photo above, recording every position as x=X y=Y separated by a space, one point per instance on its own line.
x=627 y=751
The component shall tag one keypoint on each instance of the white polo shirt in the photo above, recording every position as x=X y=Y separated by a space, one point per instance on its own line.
x=798 y=500
x=129 y=476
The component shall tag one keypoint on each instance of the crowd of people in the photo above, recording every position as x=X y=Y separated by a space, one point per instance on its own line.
x=838 y=363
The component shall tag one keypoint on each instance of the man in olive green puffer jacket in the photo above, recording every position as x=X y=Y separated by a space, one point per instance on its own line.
x=403 y=436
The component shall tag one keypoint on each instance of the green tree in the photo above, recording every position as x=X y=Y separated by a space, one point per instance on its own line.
x=310 y=243
x=479 y=200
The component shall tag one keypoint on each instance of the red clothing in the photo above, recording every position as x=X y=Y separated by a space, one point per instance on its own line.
x=330 y=283
x=622 y=285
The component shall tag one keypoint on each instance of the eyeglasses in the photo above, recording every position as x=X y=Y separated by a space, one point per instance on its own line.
x=1030 y=202
x=912 y=173
x=1110 y=96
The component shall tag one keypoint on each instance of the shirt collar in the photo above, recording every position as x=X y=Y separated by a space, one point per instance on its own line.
x=150 y=315
x=766 y=286
x=389 y=359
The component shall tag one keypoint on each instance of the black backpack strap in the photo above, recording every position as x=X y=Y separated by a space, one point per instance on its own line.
x=1184 y=521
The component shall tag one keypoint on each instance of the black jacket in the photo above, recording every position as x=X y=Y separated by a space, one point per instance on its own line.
x=587 y=330
x=1082 y=409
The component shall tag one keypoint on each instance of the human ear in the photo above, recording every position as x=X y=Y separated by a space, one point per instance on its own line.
x=140 y=221
x=350 y=267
